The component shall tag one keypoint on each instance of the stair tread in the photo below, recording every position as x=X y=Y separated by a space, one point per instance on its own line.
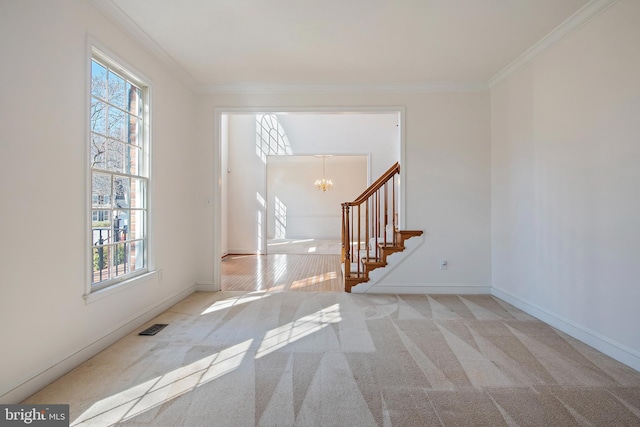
x=416 y=232
x=354 y=275
x=371 y=262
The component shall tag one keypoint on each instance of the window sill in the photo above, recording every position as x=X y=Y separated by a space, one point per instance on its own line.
x=119 y=287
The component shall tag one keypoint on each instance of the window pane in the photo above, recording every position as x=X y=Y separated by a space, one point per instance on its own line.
x=115 y=156
x=121 y=191
x=136 y=107
x=117 y=124
x=132 y=160
x=138 y=193
x=98 y=80
x=98 y=117
x=101 y=190
x=134 y=97
x=117 y=94
x=134 y=126
x=101 y=235
x=136 y=255
x=130 y=94
x=136 y=226
x=100 y=220
x=100 y=264
x=120 y=261
x=120 y=225
x=98 y=152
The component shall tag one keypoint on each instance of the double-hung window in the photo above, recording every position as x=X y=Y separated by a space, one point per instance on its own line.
x=119 y=164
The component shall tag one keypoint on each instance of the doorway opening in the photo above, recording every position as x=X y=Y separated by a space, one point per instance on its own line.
x=267 y=163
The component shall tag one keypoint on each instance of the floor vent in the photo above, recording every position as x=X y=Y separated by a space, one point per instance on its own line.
x=154 y=329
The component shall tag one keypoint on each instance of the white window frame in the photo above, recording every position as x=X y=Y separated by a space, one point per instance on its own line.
x=127 y=72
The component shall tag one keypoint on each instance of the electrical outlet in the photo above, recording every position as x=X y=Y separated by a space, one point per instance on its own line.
x=443 y=264
x=160 y=276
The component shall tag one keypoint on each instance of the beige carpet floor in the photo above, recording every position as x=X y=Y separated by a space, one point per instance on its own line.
x=337 y=359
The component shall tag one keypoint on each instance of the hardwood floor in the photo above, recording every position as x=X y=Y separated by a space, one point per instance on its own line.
x=304 y=246
x=282 y=272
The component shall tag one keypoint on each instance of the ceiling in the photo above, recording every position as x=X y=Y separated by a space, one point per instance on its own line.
x=230 y=43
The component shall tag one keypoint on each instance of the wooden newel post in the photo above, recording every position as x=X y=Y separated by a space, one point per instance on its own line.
x=346 y=240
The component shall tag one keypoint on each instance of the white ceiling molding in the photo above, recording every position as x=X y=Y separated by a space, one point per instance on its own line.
x=353 y=88
x=123 y=21
x=571 y=24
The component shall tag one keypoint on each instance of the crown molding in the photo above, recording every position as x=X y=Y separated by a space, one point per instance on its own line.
x=270 y=88
x=569 y=26
x=116 y=15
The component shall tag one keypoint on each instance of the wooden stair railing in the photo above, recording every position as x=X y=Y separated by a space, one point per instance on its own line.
x=370 y=229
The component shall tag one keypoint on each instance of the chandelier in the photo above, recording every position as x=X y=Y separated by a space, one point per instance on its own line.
x=323 y=184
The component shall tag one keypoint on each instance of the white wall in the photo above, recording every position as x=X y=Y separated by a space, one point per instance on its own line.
x=311 y=213
x=374 y=134
x=46 y=326
x=447 y=179
x=246 y=188
x=224 y=181
x=565 y=177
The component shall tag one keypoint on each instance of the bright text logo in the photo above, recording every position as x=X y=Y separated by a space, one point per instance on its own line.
x=34 y=415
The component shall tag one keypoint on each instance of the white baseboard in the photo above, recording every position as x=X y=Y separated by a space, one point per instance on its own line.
x=207 y=287
x=242 y=252
x=442 y=288
x=606 y=345
x=39 y=381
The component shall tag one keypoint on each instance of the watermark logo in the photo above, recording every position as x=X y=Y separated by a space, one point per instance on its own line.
x=34 y=415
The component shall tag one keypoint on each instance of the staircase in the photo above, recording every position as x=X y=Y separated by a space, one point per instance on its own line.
x=370 y=229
